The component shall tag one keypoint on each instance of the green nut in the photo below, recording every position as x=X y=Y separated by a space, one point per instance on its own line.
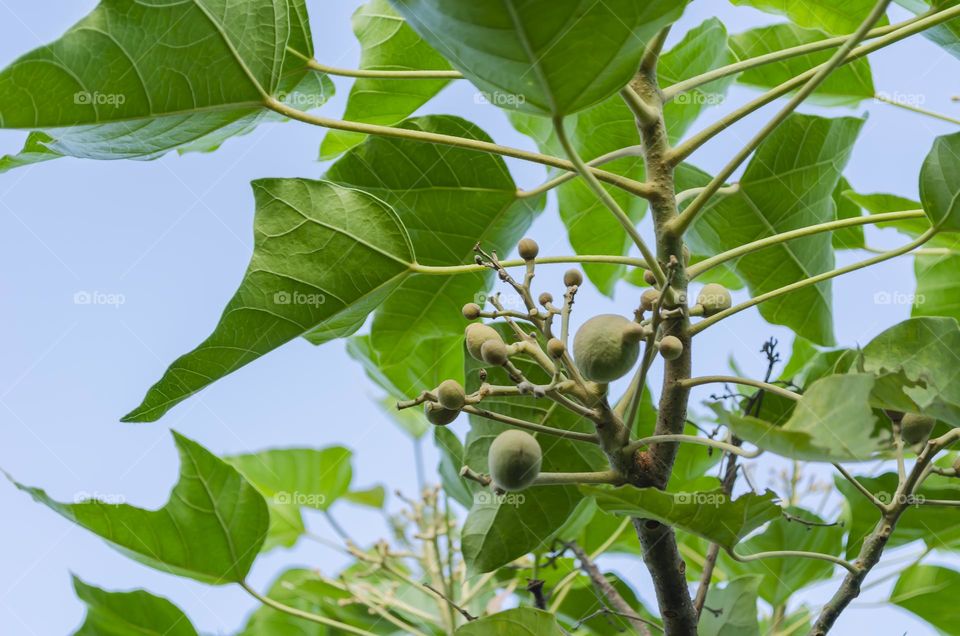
x=572 y=278
x=671 y=347
x=649 y=299
x=476 y=334
x=451 y=395
x=494 y=352
x=514 y=460
x=606 y=347
x=437 y=415
x=555 y=348
x=528 y=249
x=471 y=311
x=916 y=428
x=714 y=298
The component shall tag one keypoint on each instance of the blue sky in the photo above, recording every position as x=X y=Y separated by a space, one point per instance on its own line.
x=168 y=240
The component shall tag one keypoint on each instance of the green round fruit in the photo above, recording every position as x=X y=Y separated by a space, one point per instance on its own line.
x=514 y=460
x=471 y=311
x=451 y=395
x=649 y=299
x=671 y=347
x=605 y=348
x=545 y=298
x=916 y=428
x=555 y=348
x=494 y=352
x=528 y=249
x=476 y=334
x=572 y=278
x=437 y=415
x=649 y=277
x=714 y=298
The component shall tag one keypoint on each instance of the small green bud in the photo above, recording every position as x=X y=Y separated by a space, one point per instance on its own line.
x=649 y=299
x=494 y=352
x=572 y=278
x=437 y=415
x=545 y=299
x=451 y=395
x=471 y=311
x=555 y=348
x=671 y=347
x=514 y=460
x=528 y=249
x=649 y=277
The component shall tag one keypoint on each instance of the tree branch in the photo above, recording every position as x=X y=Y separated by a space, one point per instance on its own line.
x=604 y=587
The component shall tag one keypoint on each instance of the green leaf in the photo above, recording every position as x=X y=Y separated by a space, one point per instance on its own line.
x=929 y=591
x=324 y=256
x=500 y=529
x=937 y=285
x=124 y=613
x=35 y=150
x=451 y=461
x=711 y=515
x=849 y=238
x=286 y=526
x=416 y=336
x=838 y=18
x=832 y=422
x=734 y=609
x=542 y=56
x=782 y=191
x=610 y=126
x=781 y=578
x=520 y=620
x=846 y=86
x=124 y=82
x=373 y=497
x=389 y=44
x=917 y=369
x=945 y=35
x=314 y=478
x=211 y=529
x=940 y=183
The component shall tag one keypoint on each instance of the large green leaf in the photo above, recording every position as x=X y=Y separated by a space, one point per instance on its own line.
x=135 y=80
x=846 y=86
x=929 y=591
x=448 y=199
x=781 y=578
x=711 y=515
x=947 y=34
x=500 y=529
x=211 y=529
x=834 y=17
x=609 y=126
x=389 y=44
x=324 y=256
x=833 y=421
x=782 y=191
x=849 y=238
x=940 y=183
x=551 y=57
x=125 y=613
x=518 y=621
x=937 y=283
x=917 y=367
x=733 y=609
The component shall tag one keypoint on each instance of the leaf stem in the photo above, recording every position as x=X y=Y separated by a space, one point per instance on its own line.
x=691 y=439
x=628 y=151
x=793 y=554
x=880 y=97
x=565 y=479
x=634 y=187
x=860 y=487
x=292 y=611
x=531 y=426
x=730 y=379
x=813 y=280
x=681 y=223
x=607 y=199
x=709 y=263
x=314 y=65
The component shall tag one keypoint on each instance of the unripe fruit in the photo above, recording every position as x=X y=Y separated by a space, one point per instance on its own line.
x=514 y=460
x=714 y=298
x=606 y=347
x=572 y=278
x=494 y=352
x=437 y=415
x=555 y=348
x=545 y=298
x=476 y=334
x=671 y=347
x=471 y=311
x=916 y=428
x=451 y=395
x=649 y=277
x=528 y=249
x=649 y=299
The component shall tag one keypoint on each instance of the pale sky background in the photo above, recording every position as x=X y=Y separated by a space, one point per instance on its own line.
x=173 y=237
